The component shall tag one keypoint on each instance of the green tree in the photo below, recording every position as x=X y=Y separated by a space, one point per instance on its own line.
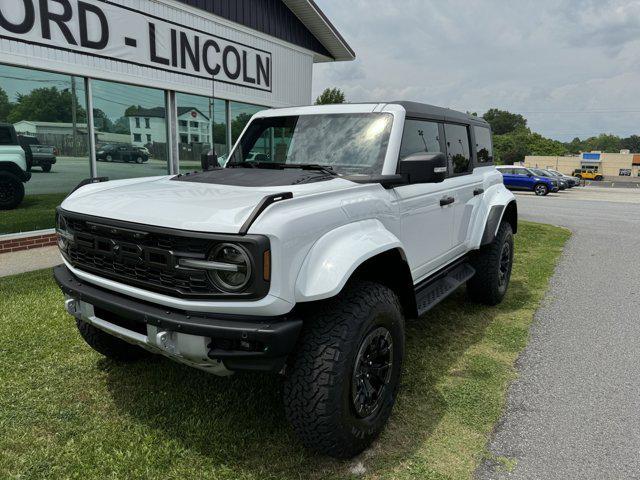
x=631 y=143
x=132 y=110
x=101 y=122
x=5 y=105
x=47 y=104
x=503 y=122
x=331 y=96
x=238 y=124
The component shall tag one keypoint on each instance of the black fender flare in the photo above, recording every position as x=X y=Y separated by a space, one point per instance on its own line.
x=14 y=169
x=509 y=212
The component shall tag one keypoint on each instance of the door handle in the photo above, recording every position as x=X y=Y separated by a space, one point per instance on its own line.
x=478 y=191
x=446 y=201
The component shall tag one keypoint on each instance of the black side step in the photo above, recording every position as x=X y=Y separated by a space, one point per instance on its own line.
x=442 y=286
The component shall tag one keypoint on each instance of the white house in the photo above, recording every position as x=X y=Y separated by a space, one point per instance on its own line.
x=148 y=125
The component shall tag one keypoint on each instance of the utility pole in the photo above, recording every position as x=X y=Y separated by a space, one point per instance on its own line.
x=74 y=117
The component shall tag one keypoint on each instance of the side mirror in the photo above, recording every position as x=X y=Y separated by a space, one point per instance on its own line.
x=209 y=160
x=529 y=175
x=424 y=168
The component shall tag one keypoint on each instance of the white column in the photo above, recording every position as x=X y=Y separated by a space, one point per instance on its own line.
x=172 y=131
x=91 y=131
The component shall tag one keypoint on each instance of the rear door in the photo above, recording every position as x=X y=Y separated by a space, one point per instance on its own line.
x=522 y=179
x=465 y=183
x=427 y=225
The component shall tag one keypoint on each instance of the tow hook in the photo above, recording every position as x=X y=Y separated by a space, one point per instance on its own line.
x=72 y=306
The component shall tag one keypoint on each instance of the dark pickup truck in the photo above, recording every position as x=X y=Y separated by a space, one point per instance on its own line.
x=43 y=156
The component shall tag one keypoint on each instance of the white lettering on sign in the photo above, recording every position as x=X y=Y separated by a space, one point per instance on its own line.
x=115 y=32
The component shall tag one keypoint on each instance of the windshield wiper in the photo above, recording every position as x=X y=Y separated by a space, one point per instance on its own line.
x=281 y=165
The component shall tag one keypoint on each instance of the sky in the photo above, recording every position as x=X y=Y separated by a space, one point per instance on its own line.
x=571 y=67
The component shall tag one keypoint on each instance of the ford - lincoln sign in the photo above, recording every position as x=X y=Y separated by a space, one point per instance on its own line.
x=116 y=32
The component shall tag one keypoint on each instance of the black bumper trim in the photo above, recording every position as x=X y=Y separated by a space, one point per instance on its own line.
x=277 y=334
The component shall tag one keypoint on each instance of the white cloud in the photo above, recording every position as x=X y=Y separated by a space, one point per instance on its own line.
x=543 y=56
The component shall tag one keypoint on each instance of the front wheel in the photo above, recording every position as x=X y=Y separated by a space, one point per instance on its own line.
x=343 y=379
x=46 y=167
x=541 y=189
x=139 y=160
x=11 y=191
x=493 y=264
x=599 y=178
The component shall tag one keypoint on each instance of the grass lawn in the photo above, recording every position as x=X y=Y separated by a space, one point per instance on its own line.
x=67 y=412
x=36 y=212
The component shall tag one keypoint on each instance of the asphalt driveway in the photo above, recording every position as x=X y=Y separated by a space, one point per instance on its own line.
x=574 y=411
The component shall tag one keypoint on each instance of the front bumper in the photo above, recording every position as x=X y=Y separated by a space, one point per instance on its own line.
x=215 y=342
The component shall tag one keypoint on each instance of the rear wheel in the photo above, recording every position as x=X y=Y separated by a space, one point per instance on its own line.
x=46 y=167
x=108 y=345
x=493 y=264
x=541 y=189
x=342 y=383
x=11 y=191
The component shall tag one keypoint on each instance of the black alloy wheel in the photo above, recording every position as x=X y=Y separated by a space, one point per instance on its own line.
x=372 y=372
x=504 y=272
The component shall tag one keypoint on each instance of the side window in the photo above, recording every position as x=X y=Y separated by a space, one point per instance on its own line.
x=484 y=148
x=419 y=137
x=519 y=171
x=5 y=136
x=506 y=171
x=458 y=151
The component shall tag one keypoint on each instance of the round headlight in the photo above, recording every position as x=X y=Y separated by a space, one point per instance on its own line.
x=237 y=271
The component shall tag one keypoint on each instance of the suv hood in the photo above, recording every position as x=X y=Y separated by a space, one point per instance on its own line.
x=182 y=205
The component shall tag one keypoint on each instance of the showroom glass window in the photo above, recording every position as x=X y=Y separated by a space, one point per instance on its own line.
x=483 y=144
x=419 y=136
x=241 y=113
x=48 y=109
x=197 y=118
x=125 y=146
x=458 y=151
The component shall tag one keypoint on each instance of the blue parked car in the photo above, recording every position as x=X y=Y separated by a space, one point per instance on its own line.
x=521 y=178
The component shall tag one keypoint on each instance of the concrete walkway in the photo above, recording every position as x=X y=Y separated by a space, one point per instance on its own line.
x=573 y=413
x=29 y=260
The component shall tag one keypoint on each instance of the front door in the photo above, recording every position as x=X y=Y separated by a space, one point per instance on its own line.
x=426 y=215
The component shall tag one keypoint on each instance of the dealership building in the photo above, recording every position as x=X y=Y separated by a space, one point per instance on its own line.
x=173 y=76
x=623 y=164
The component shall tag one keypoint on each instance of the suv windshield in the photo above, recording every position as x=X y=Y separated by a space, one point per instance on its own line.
x=349 y=144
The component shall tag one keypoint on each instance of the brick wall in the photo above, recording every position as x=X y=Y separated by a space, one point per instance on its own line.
x=27 y=243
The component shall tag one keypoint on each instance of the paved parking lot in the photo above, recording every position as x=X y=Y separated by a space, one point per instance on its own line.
x=573 y=412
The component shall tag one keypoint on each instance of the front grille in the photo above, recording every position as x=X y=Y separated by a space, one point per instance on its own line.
x=148 y=257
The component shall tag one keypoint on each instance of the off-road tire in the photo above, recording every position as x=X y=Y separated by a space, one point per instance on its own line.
x=46 y=167
x=540 y=189
x=108 y=345
x=318 y=387
x=486 y=286
x=11 y=191
x=599 y=178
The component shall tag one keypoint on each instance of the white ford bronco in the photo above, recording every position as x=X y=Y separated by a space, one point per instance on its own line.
x=327 y=230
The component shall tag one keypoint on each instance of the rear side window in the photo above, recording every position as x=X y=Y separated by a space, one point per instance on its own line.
x=484 y=148
x=458 y=151
x=5 y=136
x=419 y=137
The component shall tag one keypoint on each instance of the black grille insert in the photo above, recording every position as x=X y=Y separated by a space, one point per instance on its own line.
x=147 y=257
